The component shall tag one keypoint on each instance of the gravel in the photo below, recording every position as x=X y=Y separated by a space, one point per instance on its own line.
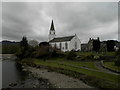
x=57 y=79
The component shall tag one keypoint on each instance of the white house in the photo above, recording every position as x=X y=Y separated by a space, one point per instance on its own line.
x=66 y=43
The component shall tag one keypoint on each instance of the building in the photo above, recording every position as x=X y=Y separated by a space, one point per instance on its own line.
x=103 y=46
x=93 y=44
x=66 y=43
x=84 y=47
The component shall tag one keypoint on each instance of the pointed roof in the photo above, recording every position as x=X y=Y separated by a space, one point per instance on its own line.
x=61 y=39
x=52 y=26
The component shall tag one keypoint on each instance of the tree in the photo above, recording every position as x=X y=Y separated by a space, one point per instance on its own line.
x=71 y=55
x=117 y=62
x=110 y=45
x=24 y=42
x=33 y=43
x=96 y=45
x=24 y=50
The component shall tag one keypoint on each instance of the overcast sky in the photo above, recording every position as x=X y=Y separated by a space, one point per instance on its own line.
x=87 y=20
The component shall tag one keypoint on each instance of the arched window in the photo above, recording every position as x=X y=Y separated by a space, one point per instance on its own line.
x=60 y=46
x=66 y=45
x=55 y=45
x=75 y=45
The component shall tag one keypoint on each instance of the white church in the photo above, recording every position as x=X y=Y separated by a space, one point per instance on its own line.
x=66 y=43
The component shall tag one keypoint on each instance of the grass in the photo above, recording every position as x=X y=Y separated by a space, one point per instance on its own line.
x=87 y=64
x=112 y=66
x=55 y=64
x=97 y=79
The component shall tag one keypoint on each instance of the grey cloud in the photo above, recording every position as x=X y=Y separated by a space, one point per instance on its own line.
x=84 y=19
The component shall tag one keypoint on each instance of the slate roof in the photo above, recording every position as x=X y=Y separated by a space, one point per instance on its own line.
x=61 y=39
x=52 y=26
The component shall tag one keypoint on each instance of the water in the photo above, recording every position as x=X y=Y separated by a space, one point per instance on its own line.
x=0 y=71
x=12 y=73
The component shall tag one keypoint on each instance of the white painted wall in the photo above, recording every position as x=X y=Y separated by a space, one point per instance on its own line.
x=62 y=44
x=71 y=44
x=52 y=35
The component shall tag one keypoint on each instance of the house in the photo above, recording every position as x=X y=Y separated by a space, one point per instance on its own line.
x=84 y=47
x=102 y=46
x=66 y=43
x=93 y=44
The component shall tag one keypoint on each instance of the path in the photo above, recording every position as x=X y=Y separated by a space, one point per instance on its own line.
x=61 y=63
x=99 y=66
x=59 y=80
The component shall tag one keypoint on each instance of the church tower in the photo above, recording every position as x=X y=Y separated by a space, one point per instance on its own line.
x=52 y=31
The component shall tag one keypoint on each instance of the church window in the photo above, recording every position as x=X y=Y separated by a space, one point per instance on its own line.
x=55 y=45
x=60 y=46
x=66 y=45
x=75 y=45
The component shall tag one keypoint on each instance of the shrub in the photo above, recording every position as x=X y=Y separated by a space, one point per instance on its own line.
x=117 y=62
x=89 y=56
x=24 y=53
x=71 y=55
x=96 y=57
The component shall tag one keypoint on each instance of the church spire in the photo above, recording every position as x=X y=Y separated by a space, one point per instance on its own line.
x=52 y=31
x=52 y=26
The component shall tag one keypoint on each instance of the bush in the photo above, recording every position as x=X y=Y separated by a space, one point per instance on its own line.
x=24 y=53
x=96 y=57
x=117 y=62
x=71 y=55
x=89 y=55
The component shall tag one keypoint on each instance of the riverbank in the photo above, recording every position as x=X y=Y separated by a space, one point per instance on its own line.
x=15 y=76
x=57 y=79
x=7 y=57
x=91 y=78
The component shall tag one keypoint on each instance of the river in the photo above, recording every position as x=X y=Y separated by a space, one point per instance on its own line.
x=13 y=75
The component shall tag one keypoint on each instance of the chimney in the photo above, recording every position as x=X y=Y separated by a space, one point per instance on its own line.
x=98 y=38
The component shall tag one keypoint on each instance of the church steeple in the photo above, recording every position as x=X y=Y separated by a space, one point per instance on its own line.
x=52 y=26
x=52 y=31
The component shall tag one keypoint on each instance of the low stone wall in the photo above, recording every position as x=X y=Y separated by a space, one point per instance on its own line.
x=102 y=64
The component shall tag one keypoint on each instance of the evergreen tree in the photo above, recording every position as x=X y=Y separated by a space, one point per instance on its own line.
x=23 y=51
x=110 y=45
x=96 y=45
x=24 y=42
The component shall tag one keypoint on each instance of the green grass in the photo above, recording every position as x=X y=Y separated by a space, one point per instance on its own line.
x=112 y=66
x=82 y=64
x=92 y=78
x=53 y=63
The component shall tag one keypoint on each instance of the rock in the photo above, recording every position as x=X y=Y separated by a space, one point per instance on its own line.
x=23 y=66
x=48 y=71
x=34 y=86
x=39 y=67
x=74 y=81
x=42 y=83
x=24 y=70
x=22 y=82
x=12 y=84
